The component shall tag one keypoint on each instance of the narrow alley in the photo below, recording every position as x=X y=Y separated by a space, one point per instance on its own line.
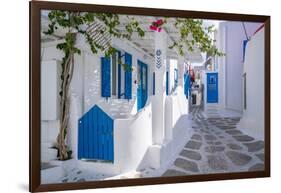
x=217 y=146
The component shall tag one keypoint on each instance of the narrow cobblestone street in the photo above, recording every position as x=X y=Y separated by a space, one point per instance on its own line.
x=217 y=146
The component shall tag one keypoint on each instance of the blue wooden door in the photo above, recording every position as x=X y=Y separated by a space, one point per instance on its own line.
x=186 y=84
x=142 y=85
x=212 y=87
x=95 y=136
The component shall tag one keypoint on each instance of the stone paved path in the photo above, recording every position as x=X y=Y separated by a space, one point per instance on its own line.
x=217 y=146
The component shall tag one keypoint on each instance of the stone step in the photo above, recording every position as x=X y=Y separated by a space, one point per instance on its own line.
x=48 y=153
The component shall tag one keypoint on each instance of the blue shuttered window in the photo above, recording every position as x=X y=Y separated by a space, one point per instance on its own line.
x=105 y=77
x=128 y=76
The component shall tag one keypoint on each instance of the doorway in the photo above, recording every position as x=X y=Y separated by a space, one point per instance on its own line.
x=142 y=85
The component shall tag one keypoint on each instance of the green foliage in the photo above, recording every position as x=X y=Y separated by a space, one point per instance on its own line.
x=77 y=20
x=132 y=26
x=194 y=34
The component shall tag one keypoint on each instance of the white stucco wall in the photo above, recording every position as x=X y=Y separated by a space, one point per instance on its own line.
x=176 y=105
x=50 y=124
x=252 y=121
x=176 y=130
x=116 y=108
x=133 y=132
x=85 y=88
x=230 y=38
x=173 y=64
x=50 y=90
x=132 y=139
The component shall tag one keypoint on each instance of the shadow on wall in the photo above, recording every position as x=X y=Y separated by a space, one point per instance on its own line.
x=116 y=108
x=132 y=138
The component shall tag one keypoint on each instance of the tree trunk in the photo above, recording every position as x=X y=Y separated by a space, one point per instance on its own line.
x=64 y=106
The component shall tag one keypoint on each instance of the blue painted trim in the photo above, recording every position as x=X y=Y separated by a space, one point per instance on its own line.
x=167 y=83
x=244 y=48
x=153 y=83
x=80 y=138
x=128 y=77
x=105 y=77
x=186 y=85
x=142 y=93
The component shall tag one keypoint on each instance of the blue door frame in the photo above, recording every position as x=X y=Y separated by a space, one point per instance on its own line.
x=212 y=87
x=142 y=84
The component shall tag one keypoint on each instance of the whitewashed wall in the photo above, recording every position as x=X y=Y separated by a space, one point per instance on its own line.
x=85 y=89
x=132 y=139
x=176 y=130
x=253 y=116
x=230 y=38
x=116 y=108
x=172 y=67
x=50 y=125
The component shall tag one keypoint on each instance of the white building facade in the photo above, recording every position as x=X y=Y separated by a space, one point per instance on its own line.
x=143 y=136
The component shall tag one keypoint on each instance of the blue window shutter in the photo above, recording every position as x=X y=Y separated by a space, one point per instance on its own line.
x=105 y=77
x=128 y=77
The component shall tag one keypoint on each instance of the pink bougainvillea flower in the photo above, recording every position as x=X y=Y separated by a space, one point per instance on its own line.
x=156 y=25
x=152 y=27
x=159 y=22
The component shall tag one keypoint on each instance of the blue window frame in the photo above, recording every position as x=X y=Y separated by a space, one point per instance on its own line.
x=115 y=80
